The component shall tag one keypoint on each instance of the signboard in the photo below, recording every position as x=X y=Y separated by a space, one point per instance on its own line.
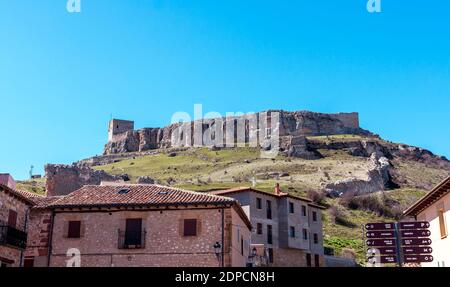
x=414 y=225
x=381 y=242
x=382 y=250
x=418 y=258
x=380 y=226
x=403 y=242
x=417 y=250
x=380 y=234
x=416 y=242
x=415 y=233
x=383 y=259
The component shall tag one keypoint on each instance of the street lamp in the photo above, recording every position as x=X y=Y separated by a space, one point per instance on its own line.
x=218 y=250
x=254 y=252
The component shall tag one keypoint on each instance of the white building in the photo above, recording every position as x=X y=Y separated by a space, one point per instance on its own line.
x=434 y=207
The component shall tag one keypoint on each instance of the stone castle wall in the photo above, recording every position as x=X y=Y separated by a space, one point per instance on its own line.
x=254 y=128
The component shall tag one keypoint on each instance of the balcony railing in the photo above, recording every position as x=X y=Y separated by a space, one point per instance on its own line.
x=132 y=239
x=12 y=237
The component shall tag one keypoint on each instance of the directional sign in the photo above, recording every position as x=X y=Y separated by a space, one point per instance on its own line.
x=383 y=259
x=415 y=233
x=418 y=258
x=416 y=241
x=417 y=250
x=381 y=242
x=414 y=225
x=382 y=250
x=380 y=234
x=380 y=226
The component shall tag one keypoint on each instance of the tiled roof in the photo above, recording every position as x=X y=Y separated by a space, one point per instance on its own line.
x=431 y=197
x=136 y=195
x=250 y=189
x=28 y=197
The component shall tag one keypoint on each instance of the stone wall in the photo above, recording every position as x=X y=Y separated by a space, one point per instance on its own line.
x=165 y=245
x=7 y=203
x=39 y=227
x=237 y=130
x=64 y=179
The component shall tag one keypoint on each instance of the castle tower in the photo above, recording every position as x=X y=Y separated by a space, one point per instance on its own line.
x=118 y=127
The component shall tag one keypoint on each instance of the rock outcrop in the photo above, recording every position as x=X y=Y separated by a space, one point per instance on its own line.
x=64 y=179
x=292 y=126
x=378 y=178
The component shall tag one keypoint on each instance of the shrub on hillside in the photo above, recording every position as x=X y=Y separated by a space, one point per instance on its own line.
x=317 y=196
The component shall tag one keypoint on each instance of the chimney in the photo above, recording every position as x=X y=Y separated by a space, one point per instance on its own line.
x=277 y=189
x=8 y=180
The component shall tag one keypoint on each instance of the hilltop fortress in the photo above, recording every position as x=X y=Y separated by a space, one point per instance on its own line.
x=271 y=129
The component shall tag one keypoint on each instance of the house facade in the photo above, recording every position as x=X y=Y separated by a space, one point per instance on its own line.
x=14 y=210
x=434 y=207
x=147 y=225
x=289 y=227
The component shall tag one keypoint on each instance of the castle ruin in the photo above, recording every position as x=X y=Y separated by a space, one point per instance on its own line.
x=287 y=129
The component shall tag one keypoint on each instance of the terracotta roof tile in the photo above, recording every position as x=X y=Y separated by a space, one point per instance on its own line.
x=137 y=195
x=28 y=197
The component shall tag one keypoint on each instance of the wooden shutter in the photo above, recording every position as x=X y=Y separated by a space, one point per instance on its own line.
x=74 y=229
x=12 y=218
x=190 y=227
x=442 y=223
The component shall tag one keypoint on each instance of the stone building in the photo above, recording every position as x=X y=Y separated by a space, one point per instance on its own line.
x=14 y=210
x=147 y=225
x=289 y=227
x=434 y=207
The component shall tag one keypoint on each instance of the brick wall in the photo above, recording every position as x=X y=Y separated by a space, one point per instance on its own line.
x=165 y=244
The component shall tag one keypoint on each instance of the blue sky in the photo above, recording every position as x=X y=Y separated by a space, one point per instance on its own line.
x=62 y=75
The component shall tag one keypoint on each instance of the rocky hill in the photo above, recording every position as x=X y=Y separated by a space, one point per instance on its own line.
x=356 y=174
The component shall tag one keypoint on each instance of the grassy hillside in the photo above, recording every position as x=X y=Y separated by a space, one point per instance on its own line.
x=33 y=185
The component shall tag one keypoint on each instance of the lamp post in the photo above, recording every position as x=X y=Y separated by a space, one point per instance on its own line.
x=252 y=256
x=218 y=251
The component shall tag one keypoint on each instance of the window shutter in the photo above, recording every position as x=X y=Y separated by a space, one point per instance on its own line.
x=82 y=228
x=12 y=218
x=190 y=227
x=442 y=226
x=74 y=229
x=199 y=227
x=66 y=229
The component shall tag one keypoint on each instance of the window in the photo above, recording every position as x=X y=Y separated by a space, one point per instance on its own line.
x=316 y=238
x=269 y=209
x=258 y=203
x=291 y=207
x=305 y=234
x=259 y=228
x=74 y=229
x=292 y=232
x=314 y=215
x=28 y=262
x=242 y=246
x=308 y=260
x=316 y=260
x=12 y=218
x=190 y=227
x=303 y=210
x=269 y=234
x=442 y=226
x=133 y=232
x=270 y=251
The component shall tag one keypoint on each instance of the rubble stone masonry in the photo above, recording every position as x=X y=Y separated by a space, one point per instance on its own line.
x=165 y=243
